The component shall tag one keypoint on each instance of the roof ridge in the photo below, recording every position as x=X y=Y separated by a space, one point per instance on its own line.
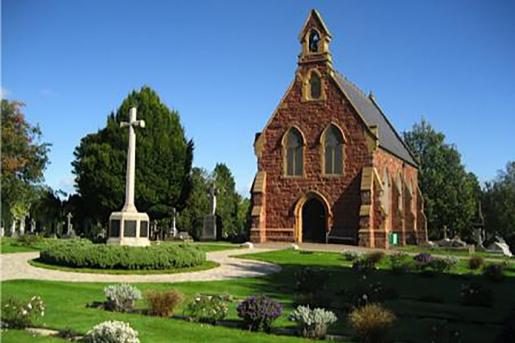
x=361 y=92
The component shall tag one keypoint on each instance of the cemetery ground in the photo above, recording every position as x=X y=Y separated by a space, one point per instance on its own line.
x=428 y=305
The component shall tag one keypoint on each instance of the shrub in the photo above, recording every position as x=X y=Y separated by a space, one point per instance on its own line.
x=81 y=253
x=374 y=257
x=162 y=303
x=423 y=260
x=371 y=322
x=473 y=294
x=112 y=332
x=258 y=312
x=441 y=265
x=475 y=262
x=208 y=308
x=494 y=272
x=19 y=314
x=121 y=297
x=29 y=240
x=351 y=255
x=67 y=333
x=312 y=323
x=400 y=263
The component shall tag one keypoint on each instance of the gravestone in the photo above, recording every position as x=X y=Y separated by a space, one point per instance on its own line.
x=32 y=225
x=130 y=227
x=174 y=228
x=70 y=233
x=500 y=246
x=209 y=228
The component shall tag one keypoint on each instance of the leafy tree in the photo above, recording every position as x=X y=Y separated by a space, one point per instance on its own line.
x=163 y=161
x=450 y=193
x=227 y=200
x=191 y=218
x=24 y=159
x=498 y=202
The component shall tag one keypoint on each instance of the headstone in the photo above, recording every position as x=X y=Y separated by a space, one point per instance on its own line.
x=209 y=228
x=247 y=245
x=2 y=231
x=32 y=225
x=70 y=233
x=22 y=226
x=130 y=227
x=445 y=232
x=498 y=247
x=185 y=236
x=174 y=228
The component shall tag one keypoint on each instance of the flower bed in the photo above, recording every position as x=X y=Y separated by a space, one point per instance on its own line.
x=84 y=254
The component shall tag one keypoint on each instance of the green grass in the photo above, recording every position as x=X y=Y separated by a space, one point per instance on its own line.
x=66 y=302
x=204 y=266
x=11 y=245
x=449 y=251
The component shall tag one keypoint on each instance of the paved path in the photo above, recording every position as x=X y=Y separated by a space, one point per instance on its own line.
x=16 y=266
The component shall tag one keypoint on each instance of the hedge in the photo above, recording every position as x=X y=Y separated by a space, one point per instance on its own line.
x=80 y=253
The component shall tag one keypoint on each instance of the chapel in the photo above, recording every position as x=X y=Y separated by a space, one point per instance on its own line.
x=330 y=166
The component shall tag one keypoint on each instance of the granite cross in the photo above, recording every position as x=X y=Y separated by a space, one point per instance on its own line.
x=131 y=160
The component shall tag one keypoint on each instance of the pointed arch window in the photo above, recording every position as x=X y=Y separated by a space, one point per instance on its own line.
x=293 y=146
x=315 y=86
x=399 y=192
x=314 y=41
x=333 y=151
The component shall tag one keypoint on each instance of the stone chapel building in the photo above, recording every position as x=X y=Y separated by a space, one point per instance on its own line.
x=331 y=167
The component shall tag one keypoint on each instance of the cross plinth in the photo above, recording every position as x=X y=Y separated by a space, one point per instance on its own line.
x=129 y=227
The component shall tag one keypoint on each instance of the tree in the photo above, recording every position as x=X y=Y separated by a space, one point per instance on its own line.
x=163 y=161
x=24 y=159
x=498 y=203
x=450 y=193
x=191 y=218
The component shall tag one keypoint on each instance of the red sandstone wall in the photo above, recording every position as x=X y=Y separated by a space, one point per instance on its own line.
x=312 y=117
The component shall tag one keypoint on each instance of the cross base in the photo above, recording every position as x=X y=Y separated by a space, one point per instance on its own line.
x=129 y=228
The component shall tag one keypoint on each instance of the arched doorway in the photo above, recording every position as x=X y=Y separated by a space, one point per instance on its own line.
x=314 y=221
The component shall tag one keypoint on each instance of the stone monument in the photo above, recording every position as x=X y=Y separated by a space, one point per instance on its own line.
x=32 y=225
x=129 y=227
x=209 y=228
x=174 y=228
x=69 y=226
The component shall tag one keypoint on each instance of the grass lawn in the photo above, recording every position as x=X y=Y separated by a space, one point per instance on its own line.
x=449 y=252
x=417 y=316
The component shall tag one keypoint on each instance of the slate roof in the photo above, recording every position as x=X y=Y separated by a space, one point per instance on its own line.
x=389 y=139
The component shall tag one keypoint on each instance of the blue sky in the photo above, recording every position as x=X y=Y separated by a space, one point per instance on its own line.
x=224 y=65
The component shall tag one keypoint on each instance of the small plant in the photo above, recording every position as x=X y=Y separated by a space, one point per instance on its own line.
x=312 y=323
x=208 y=308
x=162 y=303
x=19 y=314
x=371 y=322
x=473 y=294
x=423 y=260
x=441 y=265
x=121 y=297
x=374 y=257
x=475 y=262
x=258 y=312
x=112 y=332
x=494 y=272
x=400 y=263
x=351 y=255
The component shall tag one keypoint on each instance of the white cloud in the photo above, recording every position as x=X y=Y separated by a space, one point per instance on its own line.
x=4 y=92
x=67 y=184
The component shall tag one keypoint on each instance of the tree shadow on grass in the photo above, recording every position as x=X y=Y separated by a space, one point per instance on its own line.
x=428 y=306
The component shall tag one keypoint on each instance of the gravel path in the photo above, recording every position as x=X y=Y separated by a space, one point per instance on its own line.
x=16 y=266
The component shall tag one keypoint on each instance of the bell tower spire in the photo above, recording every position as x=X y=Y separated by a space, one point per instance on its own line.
x=315 y=38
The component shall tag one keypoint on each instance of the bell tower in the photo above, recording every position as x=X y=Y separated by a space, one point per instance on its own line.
x=315 y=38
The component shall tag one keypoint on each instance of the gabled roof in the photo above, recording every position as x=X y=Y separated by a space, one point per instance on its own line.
x=318 y=19
x=389 y=139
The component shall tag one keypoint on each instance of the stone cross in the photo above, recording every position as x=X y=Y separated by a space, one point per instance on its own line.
x=69 y=217
x=131 y=160
x=174 y=228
